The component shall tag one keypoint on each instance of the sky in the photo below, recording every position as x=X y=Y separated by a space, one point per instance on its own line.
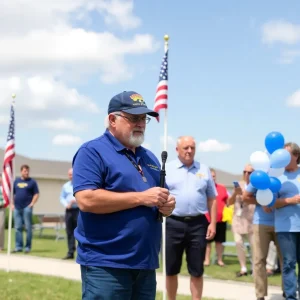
x=233 y=73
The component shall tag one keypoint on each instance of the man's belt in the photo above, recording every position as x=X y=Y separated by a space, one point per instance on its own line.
x=187 y=218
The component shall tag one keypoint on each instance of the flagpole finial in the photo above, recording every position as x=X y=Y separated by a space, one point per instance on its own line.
x=13 y=95
x=166 y=37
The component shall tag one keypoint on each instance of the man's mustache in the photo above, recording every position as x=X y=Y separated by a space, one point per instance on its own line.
x=138 y=130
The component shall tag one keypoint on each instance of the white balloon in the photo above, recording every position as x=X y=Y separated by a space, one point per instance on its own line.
x=264 y=197
x=267 y=152
x=273 y=172
x=260 y=161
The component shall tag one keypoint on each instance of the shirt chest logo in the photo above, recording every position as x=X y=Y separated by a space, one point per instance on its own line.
x=153 y=167
x=22 y=185
x=200 y=175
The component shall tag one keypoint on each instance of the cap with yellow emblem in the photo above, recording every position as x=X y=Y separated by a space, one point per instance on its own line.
x=131 y=103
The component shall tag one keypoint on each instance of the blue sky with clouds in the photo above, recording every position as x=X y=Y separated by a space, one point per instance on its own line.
x=233 y=72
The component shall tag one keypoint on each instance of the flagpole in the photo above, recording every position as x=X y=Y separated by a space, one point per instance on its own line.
x=10 y=206
x=166 y=38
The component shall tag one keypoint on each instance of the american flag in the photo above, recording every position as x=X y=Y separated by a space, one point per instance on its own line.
x=9 y=154
x=161 y=97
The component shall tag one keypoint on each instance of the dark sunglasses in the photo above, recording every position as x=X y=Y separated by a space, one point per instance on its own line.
x=247 y=172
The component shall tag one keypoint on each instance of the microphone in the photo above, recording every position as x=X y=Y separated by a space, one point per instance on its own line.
x=164 y=156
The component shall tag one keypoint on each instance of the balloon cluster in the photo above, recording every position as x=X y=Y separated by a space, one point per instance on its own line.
x=268 y=166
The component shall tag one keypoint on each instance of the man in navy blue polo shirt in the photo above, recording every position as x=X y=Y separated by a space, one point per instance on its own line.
x=26 y=194
x=116 y=185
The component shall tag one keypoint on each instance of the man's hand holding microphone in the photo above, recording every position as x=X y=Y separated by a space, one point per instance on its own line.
x=159 y=197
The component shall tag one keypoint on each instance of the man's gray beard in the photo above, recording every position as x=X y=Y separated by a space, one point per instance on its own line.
x=136 y=141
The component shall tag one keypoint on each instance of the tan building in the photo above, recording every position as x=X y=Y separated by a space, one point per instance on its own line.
x=51 y=175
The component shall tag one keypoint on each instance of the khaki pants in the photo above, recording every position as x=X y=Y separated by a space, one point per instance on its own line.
x=2 y=227
x=262 y=236
x=240 y=239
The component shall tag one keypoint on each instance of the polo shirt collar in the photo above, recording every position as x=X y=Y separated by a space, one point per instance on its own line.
x=119 y=147
x=115 y=143
x=195 y=164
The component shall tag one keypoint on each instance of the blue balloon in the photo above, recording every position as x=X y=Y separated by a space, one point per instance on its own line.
x=275 y=185
x=260 y=180
x=280 y=158
x=273 y=141
x=273 y=202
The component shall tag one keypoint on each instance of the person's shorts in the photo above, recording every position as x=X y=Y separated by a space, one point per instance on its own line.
x=220 y=236
x=188 y=236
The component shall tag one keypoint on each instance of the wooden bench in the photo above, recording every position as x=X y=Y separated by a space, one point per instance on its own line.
x=51 y=221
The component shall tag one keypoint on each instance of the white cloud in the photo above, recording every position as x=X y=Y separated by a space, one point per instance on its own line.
x=68 y=50
x=212 y=145
x=64 y=124
x=39 y=38
x=170 y=141
x=14 y=83
x=281 y=32
x=45 y=45
x=66 y=140
x=118 y=11
x=44 y=94
x=19 y=16
x=294 y=99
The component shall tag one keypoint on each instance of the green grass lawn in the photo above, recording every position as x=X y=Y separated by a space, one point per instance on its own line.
x=24 y=286
x=46 y=246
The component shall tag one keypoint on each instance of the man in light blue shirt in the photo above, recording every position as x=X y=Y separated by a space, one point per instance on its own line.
x=287 y=222
x=187 y=229
x=68 y=200
x=263 y=234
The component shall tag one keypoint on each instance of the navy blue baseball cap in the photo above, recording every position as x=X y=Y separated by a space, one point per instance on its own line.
x=131 y=103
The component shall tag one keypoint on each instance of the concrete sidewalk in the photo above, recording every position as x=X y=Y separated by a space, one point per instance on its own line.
x=228 y=290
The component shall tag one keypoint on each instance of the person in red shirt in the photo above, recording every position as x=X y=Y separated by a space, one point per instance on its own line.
x=220 y=236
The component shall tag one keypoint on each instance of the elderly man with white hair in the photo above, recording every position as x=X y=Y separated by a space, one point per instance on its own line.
x=187 y=229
